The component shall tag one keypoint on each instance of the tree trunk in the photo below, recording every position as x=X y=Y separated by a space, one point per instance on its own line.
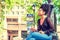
x=55 y=21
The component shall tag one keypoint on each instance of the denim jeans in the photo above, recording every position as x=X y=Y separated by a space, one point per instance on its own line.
x=38 y=36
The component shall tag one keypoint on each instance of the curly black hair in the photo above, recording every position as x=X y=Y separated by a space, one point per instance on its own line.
x=46 y=8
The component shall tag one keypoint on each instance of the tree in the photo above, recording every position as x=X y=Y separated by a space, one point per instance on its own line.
x=27 y=4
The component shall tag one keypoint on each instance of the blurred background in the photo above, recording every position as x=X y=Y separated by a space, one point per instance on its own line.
x=17 y=16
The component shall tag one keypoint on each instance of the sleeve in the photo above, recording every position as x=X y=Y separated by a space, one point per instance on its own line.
x=51 y=29
x=38 y=25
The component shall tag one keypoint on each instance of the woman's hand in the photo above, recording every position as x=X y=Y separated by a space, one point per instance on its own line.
x=42 y=32
x=33 y=29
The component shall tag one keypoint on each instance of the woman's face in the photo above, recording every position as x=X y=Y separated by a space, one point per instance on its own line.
x=41 y=12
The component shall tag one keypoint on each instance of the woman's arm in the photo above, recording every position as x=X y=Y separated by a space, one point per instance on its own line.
x=33 y=29
x=38 y=25
x=51 y=29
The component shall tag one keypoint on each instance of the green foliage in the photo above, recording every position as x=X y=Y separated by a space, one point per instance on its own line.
x=59 y=19
x=28 y=5
x=57 y=8
x=1 y=26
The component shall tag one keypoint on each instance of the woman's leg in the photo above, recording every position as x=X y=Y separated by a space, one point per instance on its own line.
x=29 y=37
x=50 y=37
x=32 y=39
x=38 y=36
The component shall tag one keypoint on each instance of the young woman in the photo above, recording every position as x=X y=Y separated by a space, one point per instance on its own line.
x=45 y=26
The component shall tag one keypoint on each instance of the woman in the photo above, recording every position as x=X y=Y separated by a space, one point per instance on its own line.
x=45 y=27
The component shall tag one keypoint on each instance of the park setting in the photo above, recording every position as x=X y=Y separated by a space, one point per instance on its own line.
x=18 y=16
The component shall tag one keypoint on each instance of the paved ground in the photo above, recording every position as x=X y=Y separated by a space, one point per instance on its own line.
x=58 y=31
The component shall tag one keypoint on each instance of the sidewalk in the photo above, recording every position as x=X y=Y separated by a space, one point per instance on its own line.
x=58 y=31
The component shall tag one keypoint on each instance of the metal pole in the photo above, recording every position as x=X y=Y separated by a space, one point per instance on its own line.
x=34 y=17
x=55 y=22
x=34 y=13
